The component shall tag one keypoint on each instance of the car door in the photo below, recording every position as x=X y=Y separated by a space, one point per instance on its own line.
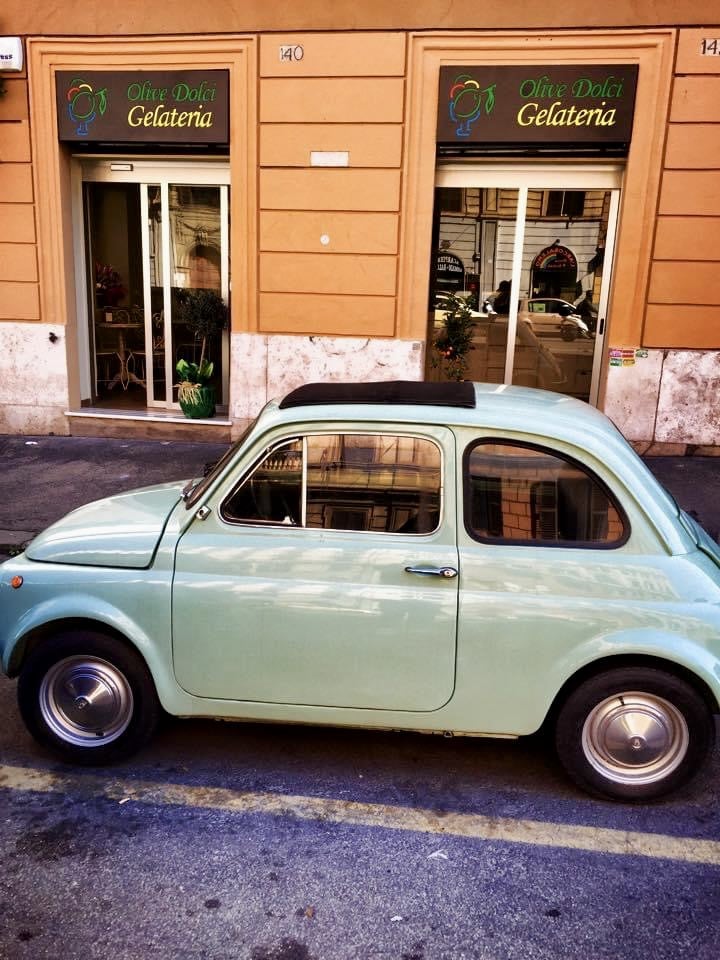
x=325 y=574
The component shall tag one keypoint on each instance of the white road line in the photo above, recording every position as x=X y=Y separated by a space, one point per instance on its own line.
x=383 y=816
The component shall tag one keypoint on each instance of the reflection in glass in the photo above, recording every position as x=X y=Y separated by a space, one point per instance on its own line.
x=560 y=277
x=378 y=483
x=528 y=495
x=474 y=233
x=196 y=257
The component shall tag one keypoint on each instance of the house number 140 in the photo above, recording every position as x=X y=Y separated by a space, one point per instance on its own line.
x=710 y=48
x=291 y=53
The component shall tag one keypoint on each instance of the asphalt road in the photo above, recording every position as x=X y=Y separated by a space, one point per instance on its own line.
x=257 y=842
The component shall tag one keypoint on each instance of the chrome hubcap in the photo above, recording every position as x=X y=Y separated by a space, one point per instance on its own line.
x=86 y=702
x=635 y=738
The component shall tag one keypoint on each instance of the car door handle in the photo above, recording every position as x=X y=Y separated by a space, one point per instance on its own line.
x=447 y=572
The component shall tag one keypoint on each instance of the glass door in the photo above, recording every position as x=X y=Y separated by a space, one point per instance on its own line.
x=156 y=237
x=532 y=250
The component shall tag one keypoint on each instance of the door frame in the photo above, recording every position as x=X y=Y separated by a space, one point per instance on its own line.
x=144 y=172
x=537 y=176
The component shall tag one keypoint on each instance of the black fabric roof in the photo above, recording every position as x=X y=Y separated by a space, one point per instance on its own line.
x=410 y=392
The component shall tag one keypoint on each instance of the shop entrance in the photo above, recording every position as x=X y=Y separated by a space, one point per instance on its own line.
x=155 y=236
x=534 y=247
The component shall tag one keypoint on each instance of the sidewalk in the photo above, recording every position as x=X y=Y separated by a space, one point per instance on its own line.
x=43 y=478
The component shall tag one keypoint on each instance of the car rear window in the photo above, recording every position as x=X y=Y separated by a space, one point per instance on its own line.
x=529 y=495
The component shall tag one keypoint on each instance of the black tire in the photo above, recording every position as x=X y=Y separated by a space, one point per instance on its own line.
x=634 y=733
x=568 y=331
x=88 y=697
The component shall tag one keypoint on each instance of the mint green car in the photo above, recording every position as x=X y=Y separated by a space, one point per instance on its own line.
x=462 y=558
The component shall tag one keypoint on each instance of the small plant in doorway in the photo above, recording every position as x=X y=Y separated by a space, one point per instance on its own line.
x=455 y=338
x=205 y=314
x=195 y=394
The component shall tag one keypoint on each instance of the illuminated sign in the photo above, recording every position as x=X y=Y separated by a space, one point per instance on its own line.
x=537 y=104
x=176 y=106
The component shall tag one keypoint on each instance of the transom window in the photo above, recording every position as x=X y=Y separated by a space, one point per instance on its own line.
x=349 y=481
x=524 y=494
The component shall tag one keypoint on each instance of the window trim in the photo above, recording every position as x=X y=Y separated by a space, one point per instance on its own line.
x=332 y=430
x=553 y=544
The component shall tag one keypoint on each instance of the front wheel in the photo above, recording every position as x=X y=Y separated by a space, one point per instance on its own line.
x=88 y=697
x=633 y=733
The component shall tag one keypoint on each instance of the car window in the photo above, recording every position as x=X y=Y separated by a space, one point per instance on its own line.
x=273 y=491
x=526 y=494
x=344 y=481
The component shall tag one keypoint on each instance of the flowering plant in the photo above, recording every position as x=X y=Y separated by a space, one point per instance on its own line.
x=108 y=284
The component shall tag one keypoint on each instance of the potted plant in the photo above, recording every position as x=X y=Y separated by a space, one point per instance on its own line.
x=455 y=338
x=205 y=314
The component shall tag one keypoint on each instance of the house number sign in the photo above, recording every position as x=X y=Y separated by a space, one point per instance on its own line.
x=291 y=53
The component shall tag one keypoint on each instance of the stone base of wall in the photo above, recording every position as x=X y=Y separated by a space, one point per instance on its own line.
x=33 y=379
x=263 y=367
x=667 y=401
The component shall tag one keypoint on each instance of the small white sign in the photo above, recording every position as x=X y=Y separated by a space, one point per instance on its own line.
x=11 y=54
x=329 y=158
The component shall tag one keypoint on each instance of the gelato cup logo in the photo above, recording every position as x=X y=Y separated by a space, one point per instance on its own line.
x=467 y=102
x=84 y=103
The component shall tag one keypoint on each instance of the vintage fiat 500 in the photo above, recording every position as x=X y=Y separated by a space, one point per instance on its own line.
x=462 y=558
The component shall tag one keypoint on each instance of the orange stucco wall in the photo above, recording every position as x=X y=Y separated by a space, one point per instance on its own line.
x=19 y=294
x=328 y=243
x=683 y=304
x=325 y=249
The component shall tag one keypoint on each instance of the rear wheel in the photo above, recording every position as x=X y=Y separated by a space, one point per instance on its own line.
x=633 y=733
x=88 y=697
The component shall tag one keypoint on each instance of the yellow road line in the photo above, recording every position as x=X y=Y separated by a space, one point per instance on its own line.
x=468 y=825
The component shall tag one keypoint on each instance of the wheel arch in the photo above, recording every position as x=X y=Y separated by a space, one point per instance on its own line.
x=37 y=635
x=619 y=661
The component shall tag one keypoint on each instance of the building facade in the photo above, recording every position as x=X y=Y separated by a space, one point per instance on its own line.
x=332 y=175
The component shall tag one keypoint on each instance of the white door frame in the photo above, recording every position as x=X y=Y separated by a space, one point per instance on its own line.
x=539 y=176
x=145 y=172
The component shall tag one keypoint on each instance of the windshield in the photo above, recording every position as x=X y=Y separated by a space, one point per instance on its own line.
x=194 y=489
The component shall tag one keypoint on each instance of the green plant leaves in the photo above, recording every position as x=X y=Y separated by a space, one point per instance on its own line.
x=455 y=339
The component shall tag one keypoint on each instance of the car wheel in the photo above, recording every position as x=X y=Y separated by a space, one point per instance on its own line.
x=633 y=733
x=88 y=697
x=568 y=331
